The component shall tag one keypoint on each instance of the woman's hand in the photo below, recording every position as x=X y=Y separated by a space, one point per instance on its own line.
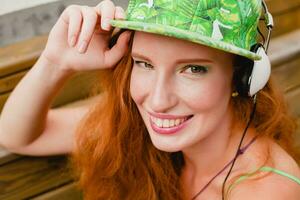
x=79 y=39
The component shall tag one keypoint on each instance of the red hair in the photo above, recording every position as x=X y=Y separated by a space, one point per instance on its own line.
x=115 y=159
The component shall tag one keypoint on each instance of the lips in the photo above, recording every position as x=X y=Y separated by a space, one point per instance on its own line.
x=168 y=124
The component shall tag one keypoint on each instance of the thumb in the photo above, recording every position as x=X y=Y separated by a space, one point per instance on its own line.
x=112 y=56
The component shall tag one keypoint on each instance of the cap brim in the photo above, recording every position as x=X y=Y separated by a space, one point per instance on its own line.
x=185 y=35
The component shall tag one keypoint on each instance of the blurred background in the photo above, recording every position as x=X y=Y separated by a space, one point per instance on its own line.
x=24 y=26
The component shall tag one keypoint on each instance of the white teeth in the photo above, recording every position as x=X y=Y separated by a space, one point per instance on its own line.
x=167 y=123
x=172 y=122
x=159 y=123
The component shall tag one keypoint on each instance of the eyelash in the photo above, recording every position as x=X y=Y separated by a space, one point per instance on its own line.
x=136 y=62
x=203 y=69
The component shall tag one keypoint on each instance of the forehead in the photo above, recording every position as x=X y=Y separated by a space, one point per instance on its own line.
x=149 y=43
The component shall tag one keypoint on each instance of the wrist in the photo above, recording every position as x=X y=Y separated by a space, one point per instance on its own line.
x=59 y=69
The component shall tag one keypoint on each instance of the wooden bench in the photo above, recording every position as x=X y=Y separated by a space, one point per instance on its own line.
x=36 y=177
x=285 y=56
x=24 y=177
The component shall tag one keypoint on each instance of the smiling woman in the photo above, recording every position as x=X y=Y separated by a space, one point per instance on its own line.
x=177 y=119
x=173 y=129
x=188 y=110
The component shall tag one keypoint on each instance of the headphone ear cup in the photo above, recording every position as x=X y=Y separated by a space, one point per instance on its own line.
x=260 y=73
x=242 y=72
x=251 y=76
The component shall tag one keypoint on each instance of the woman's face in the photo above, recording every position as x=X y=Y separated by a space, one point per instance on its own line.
x=181 y=89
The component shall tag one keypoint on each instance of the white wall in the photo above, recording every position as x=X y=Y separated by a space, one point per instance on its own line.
x=7 y=6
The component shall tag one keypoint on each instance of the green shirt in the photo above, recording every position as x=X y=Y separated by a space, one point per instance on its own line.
x=265 y=169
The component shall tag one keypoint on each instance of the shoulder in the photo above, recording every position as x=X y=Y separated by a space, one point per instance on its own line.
x=270 y=188
x=270 y=185
x=283 y=161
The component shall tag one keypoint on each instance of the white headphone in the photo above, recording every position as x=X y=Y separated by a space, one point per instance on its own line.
x=253 y=79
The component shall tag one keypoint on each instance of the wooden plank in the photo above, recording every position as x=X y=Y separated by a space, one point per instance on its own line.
x=21 y=56
x=277 y=7
x=297 y=142
x=6 y=156
x=288 y=75
x=77 y=87
x=8 y=83
x=29 y=176
x=293 y=101
x=67 y=192
x=3 y=98
x=286 y=22
x=284 y=48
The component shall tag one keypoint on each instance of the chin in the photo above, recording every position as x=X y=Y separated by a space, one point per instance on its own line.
x=166 y=143
x=166 y=148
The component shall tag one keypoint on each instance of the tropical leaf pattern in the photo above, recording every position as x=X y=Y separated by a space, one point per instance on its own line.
x=229 y=25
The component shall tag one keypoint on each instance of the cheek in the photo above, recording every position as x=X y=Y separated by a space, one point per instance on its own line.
x=208 y=94
x=139 y=84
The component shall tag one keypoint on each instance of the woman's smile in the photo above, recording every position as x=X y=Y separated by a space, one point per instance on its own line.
x=168 y=124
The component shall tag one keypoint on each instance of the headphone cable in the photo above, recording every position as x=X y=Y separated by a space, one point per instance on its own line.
x=238 y=152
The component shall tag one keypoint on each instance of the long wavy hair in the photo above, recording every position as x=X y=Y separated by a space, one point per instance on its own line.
x=114 y=158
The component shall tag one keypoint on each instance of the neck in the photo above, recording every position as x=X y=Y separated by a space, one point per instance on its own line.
x=206 y=158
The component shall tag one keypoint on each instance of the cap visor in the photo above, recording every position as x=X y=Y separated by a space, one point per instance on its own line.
x=185 y=35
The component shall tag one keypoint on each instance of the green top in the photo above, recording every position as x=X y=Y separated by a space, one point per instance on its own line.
x=265 y=169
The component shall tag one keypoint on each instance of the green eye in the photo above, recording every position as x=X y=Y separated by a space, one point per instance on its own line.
x=143 y=64
x=195 y=69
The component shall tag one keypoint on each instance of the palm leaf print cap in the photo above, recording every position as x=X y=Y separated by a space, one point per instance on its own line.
x=228 y=25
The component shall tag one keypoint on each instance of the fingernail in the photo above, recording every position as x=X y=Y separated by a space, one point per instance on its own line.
x=120 y=12
x=82 y=47
x=73 y=41
x=106 y=24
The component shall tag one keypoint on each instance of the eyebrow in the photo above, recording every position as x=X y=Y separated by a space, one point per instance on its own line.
x=183 y=60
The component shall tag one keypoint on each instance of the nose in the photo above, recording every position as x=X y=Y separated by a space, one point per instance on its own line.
x=162 y=95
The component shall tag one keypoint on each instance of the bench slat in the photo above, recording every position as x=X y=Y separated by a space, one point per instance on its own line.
x=8 y=83
x=288 y=75
x=28 y=176
x=284 y=48
x=293 y=101
x=278 y=7
x=286 y=22
x=21 y=56
x=67 y=192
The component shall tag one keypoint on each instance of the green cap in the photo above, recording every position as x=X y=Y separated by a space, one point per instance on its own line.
x=228 y=25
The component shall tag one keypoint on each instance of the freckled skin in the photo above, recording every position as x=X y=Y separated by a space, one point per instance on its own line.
x=166 y=88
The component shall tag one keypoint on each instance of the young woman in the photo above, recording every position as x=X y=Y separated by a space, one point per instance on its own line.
x=174 y=120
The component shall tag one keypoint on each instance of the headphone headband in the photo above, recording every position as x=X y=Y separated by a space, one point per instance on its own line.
x=269 y=22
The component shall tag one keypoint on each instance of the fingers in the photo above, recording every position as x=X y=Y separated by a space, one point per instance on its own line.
x=83 y=21
x=75 y=19
x=112 y=56
x=106 y=9
x=119 y=13
x=88 y=26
